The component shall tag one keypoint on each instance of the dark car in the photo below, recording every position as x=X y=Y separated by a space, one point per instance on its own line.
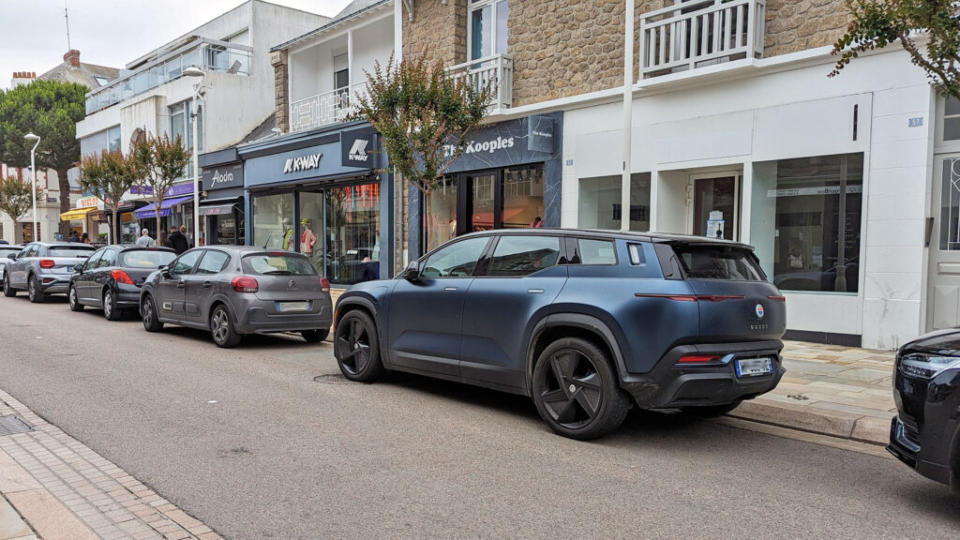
x=236 y=290
x=43 y=268
x=111 y=278
x=5 y=251
x=584 y=322
x=926 y=387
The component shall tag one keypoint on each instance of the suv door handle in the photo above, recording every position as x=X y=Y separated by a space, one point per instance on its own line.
x=181 y=284
x=449 y=289
x=207 y=284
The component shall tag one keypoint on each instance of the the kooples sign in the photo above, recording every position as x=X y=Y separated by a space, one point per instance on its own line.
x=302 y=163
x=490 y=146
x=223 y=177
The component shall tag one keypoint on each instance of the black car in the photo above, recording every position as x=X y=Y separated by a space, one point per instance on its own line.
x=111 y=278
x=926 y=432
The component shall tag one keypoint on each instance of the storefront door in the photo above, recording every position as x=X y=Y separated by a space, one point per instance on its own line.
x=714 y=205
x=943 y=296
x=482 y=201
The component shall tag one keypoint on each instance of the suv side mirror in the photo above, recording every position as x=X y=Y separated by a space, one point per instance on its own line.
x=165 y=272
x=78 y=268
x=12 y=256
x=412 y=271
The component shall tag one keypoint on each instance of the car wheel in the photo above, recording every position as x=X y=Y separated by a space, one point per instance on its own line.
x=576 y=392
x=8 y=291
x=712 y=411
x=357 y=348
x=150 y=316
x=110 y=310
x=73 y=299
x=34 y=293
x=315 y=336
x=221 y=328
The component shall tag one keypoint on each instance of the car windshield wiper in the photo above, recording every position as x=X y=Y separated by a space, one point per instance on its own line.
x=278 y=273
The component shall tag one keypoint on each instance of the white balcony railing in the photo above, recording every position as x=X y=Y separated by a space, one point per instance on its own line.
x=324 y=109
x=696 y=33
x=495 y=72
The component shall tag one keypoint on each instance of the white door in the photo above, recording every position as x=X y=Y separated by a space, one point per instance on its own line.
x=943 y=303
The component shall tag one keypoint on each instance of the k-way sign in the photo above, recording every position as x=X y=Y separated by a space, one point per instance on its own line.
x=357 y=148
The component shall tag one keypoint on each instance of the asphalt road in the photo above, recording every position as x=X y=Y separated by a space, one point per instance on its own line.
x=267 y=441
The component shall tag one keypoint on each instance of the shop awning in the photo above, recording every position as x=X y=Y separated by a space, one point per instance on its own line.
x=76 y=214
x=216 y=209
x=149 y=212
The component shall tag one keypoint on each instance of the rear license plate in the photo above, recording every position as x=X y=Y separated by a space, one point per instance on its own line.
x=753 y=367
x=287 y=307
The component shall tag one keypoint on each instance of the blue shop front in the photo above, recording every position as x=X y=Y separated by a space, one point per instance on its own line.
x=508 y=177
x=323 y=194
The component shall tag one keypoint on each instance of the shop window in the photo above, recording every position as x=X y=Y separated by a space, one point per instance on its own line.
x=353 y=233
x=523 y=255
x=273 y=221
x=601 y=207
x=440 y=215
x=805 y=221
x=311 y=227
x=523 y=197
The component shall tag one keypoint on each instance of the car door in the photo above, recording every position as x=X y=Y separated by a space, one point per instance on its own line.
x=82 y=281
x=522 y=277
x=200 y=285
x=170 y=288
x=101 y=275
x=19 y=266
x=424 y=325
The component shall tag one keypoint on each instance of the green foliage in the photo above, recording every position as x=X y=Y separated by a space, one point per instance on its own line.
x=158 y=163
x=15 y=197
x=424 y=117
x=108 y=175
x=878 y=23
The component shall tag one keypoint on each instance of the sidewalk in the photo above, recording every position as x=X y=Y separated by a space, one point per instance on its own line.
x=843 y=392
x=54 y=487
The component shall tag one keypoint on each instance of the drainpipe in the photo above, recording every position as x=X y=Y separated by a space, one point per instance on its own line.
x=627 y=116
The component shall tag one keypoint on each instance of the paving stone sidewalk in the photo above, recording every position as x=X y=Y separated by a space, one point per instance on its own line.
x=54 y=487
x=839 y=391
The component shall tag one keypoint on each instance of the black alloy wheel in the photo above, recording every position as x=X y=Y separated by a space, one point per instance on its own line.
x=149 y=315
x=34 y=293
x=356 y=347
x=221 y=328
x=315 y=336
x=8 y=291
x=110 y=310
x=575 y=390
x=73 y=299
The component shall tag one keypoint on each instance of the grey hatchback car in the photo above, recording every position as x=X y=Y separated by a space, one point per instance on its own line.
x=236 y=290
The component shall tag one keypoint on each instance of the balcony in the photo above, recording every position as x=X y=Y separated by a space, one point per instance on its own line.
x=326 y=108
x=697 y=33
x=207 y=54
x=493 y=72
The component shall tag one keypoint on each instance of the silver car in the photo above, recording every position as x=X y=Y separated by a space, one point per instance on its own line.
x=5 y=250
x=236 y=290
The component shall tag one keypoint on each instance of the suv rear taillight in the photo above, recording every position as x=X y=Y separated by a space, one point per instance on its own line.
x=121 y=277
x=245 y=284
x=324 y=284
x=47 y=263
x=696 y=359
x=692 y=297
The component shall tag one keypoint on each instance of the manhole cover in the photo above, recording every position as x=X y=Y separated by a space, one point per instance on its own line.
x=13 y=424
x=330 y=378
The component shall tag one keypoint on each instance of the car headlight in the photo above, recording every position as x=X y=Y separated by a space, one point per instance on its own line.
x=927 y=366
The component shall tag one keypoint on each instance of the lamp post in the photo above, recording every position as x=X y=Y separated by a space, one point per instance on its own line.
x=33 y=179
x=194 y=71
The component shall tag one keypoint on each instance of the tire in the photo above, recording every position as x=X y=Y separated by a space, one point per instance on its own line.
x=73 y=300
x=222 y=330
x=110 y=309
x=8 y=291
x=576 y=392
x=150 y=315
x=34 y=292
x=712 y=411
x=315 y=336
x=357 y=347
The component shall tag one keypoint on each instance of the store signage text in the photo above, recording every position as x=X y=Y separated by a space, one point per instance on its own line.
x=302 y=163
x=221 y=178
x=500 y=143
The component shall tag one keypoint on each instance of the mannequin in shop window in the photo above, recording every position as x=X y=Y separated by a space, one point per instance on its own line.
x=307 y=238
x=287 y=235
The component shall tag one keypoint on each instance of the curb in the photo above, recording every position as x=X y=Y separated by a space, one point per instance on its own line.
x=843 y=425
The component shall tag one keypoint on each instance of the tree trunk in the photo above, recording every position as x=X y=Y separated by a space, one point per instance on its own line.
x=64 y=184
x=157 y=210
x=115 y=233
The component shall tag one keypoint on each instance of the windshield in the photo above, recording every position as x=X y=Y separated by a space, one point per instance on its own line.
x=279 y=264
x=718 y=262
x=146 y=258
x=70 y=251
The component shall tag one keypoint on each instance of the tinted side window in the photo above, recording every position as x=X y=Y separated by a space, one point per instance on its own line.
x=109 y=258
x=523 y=255
x=185 y=263
x=31 y=251
x=596 y=251
x=456 y=260
x=213 y=262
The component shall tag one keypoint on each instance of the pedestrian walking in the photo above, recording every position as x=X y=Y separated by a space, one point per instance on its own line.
x=85 y=238
x=145 y=240
x=177 y=241
x=73 y=237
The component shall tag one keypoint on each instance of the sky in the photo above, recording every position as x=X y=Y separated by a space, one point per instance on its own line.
x=33 y=33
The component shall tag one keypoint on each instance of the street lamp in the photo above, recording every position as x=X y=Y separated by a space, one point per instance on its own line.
x=33 y=176
x=194 y=71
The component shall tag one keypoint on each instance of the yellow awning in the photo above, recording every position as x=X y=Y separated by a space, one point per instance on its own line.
x=76 y=213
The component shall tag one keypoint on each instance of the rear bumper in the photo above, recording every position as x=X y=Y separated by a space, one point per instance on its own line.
x=672 y=385
x=54 y=283
x=258 y=321
x=128 y=296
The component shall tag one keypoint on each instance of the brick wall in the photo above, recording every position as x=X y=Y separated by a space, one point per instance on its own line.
x=796 y=25
x=278 y=59
x=438 y=32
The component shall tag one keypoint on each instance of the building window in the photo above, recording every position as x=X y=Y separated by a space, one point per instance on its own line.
x=487 y=29
x=601 y=207
x=951 y=119
x=181 y=125
x=805 y=221
x=113 y=138
x=273 y=221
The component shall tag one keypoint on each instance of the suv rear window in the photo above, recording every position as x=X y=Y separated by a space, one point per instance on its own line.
x=70 y=251
x=718 y=262
x=279 y=264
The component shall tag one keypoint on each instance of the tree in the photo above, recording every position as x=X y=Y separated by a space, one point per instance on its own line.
x=159 y=162
x=50 y=109
x=878 y=23
x=424 y=117
x=108 y=175
x=16 y=197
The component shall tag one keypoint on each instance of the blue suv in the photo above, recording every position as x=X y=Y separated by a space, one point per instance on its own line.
x=584 y=322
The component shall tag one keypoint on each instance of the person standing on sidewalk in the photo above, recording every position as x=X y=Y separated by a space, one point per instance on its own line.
x=145 y=240
x=176 y=240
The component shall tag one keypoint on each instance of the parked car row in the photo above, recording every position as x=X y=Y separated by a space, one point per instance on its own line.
x=228 y=290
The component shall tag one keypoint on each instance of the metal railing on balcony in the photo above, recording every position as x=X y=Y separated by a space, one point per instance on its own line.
x=326 y=108
x=206 y=54
x=696 y=33
x=494 y=72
